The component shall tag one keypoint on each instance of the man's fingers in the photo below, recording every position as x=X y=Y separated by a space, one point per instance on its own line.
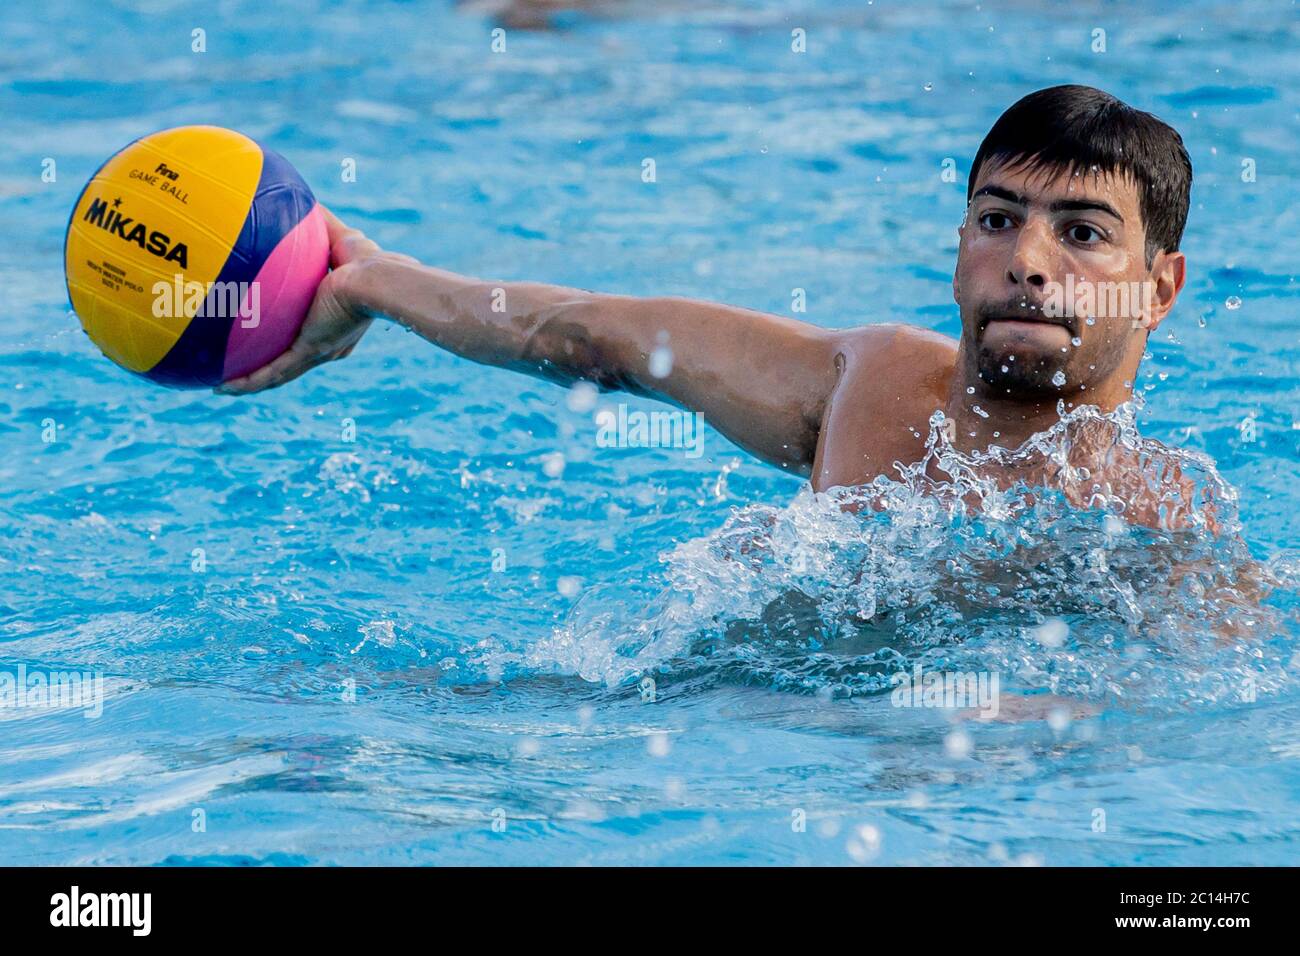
x=352 y=245
x=261 y=380
x=328 y=323
x=346 y=243
x=254 y=381
x=333 y=224
x=281 y=370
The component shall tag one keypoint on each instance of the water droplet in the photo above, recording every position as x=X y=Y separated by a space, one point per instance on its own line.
x=1058 y=378
x=1051 y=633
x=864 y=845
x=928 y=87
x=661 y=361
x=980 y=412
x=958 y=744
x=1233 y=302
x=970 y=389
x=1076 y=341
x=1058 y=718
x=582 y=397
x=553 y=464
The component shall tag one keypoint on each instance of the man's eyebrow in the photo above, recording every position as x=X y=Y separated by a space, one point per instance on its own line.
x=1080 y=205
x=1059 y=205
x=997 y=192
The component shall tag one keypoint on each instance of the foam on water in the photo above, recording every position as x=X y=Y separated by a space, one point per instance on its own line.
x=1017 y=561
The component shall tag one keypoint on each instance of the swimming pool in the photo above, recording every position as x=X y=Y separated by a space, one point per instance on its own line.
x=408 y=610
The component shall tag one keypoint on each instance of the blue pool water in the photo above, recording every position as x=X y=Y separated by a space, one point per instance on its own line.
x=235 y=568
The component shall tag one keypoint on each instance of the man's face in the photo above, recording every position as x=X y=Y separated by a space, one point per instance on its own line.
x=1031 y=246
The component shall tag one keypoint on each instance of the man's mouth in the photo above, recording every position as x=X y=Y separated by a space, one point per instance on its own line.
x=1028 y=319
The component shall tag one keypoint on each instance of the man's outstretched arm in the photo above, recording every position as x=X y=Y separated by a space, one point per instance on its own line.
x=762 y=380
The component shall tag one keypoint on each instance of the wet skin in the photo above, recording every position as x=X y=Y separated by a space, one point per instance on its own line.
x=839 y=407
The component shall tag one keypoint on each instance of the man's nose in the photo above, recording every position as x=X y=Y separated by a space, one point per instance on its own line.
x=1033 y=261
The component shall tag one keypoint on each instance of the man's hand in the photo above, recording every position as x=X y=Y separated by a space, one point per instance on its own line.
x=334 y=324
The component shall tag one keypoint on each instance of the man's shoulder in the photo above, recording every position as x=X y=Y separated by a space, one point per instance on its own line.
x=891 y=379
x=899 y=332
x=899 y=355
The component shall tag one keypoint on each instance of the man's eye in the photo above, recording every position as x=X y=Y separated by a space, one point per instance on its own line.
x=1084 y=234
x=995 y=221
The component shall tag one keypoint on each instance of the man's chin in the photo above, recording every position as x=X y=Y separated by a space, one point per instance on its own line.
x=1014 y=361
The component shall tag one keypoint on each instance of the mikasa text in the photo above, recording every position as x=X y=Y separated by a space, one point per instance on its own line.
x=108 y=218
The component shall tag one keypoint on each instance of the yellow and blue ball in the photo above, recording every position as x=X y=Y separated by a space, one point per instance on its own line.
x=193 y=254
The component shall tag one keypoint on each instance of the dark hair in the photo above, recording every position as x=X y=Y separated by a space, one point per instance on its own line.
x=1081 y=129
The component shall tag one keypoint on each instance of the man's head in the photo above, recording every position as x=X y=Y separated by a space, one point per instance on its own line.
x=1069 y=249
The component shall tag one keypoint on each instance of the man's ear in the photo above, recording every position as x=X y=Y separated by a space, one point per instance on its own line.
x=1168 y=273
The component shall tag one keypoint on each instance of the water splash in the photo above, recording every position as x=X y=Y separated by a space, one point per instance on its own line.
x=1123 y=549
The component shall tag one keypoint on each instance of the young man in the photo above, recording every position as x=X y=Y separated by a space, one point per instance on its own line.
x=1072 y=196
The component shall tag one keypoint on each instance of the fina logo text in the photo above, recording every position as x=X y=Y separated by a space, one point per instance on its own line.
x=153 y=242
x=103 y=909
